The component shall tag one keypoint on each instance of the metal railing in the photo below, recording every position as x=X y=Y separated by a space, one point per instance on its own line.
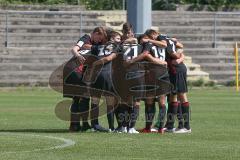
x=216 y=26
x=81 y=15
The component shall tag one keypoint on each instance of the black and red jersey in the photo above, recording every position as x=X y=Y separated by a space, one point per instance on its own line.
x=155 y=51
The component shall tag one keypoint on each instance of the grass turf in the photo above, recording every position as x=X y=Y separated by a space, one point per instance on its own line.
x=28 y=112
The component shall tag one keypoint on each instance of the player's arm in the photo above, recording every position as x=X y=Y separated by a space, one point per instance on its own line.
x=139 y=58
x=105 y=59
x=131 y=40
x=178 y=44
x=75 y=52
x=154 y=60
x=87 y=46
x=159 y=43
x=179 y=60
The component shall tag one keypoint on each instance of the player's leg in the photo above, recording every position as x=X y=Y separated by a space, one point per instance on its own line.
x=185 y=110
x=122 y=116
x=172 y=112
x=75 y=115
x=162 y=113
x=94 y=114
x=182 y=96
x=84 y=110
x=111 y=103
x=150 y=110
x=133 y=115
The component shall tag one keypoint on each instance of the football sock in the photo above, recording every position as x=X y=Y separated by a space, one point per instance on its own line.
x=110 y=117
x=150 y=110
x=186 y=114
x=162 y=114
x=84 y=110
x=75 y=116
x=94 y=114
x=172 y=114
x=134 y=112
x=180 y=116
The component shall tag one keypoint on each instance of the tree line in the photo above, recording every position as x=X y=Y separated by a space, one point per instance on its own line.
x=212 y=5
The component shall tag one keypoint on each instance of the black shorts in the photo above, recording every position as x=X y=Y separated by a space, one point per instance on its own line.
x=179 y=82
x=104 y=81
x=74 y=79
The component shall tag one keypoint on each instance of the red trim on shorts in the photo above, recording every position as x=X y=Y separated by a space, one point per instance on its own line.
x=174 y=104
x=185 y=104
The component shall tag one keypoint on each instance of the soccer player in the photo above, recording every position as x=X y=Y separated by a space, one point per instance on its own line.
x=82 y=104
x=178 y=77
x=127 y=116
x=106 y=53
x=156 y=54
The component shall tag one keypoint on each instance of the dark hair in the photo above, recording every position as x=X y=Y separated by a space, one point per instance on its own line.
x=140 y=37
x=101 y=31
x=150 y=32
x=127 y=27
x=114 y=34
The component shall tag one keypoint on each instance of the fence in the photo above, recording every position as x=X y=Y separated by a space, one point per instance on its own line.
x=79 y=18
x=217 y=17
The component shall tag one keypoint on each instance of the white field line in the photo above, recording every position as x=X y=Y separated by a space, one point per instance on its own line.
x=66 y=142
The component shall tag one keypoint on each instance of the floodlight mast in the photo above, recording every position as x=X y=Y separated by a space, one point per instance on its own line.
x=139 y=14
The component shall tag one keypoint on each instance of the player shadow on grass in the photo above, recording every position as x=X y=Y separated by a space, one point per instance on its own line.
x=36 y=130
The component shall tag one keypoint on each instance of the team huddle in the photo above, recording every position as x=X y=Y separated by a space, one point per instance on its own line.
x=126 y=70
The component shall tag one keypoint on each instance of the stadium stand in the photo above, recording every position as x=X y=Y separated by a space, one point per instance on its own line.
x=38 y=43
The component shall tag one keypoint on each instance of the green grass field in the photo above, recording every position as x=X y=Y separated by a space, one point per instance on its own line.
x=30 y=130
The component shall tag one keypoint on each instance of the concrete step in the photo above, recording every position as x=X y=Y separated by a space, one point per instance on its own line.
x=196 y=75
x=32 y=38
x=213 y=59
x=206 y=37
x=227 y=75
x=195 y=14
x=52 y=14
x=50 y=21
x=35 y=43
x=218 y=67
x=42 y=27
x=23 y=82
x=199 y=30
x=28 y=75
x=193 y=67
x=196 y=22
x=35 y=59
x=28 y=66
x=207 y=44
x=208 y=51
x=72 y=36
x=29 y=51
x=16 y=78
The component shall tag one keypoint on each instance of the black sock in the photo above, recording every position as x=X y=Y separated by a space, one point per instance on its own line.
x=134 y=112
x=172 y=114
x=110 y=117
x=180 y=116
x=168 y=113
x=94 y=114
x=125 y=116
x=75 y=116
x=150 y=110
x=162 y=114
x=84 y=110
x=186 y=115
x=117 y=112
